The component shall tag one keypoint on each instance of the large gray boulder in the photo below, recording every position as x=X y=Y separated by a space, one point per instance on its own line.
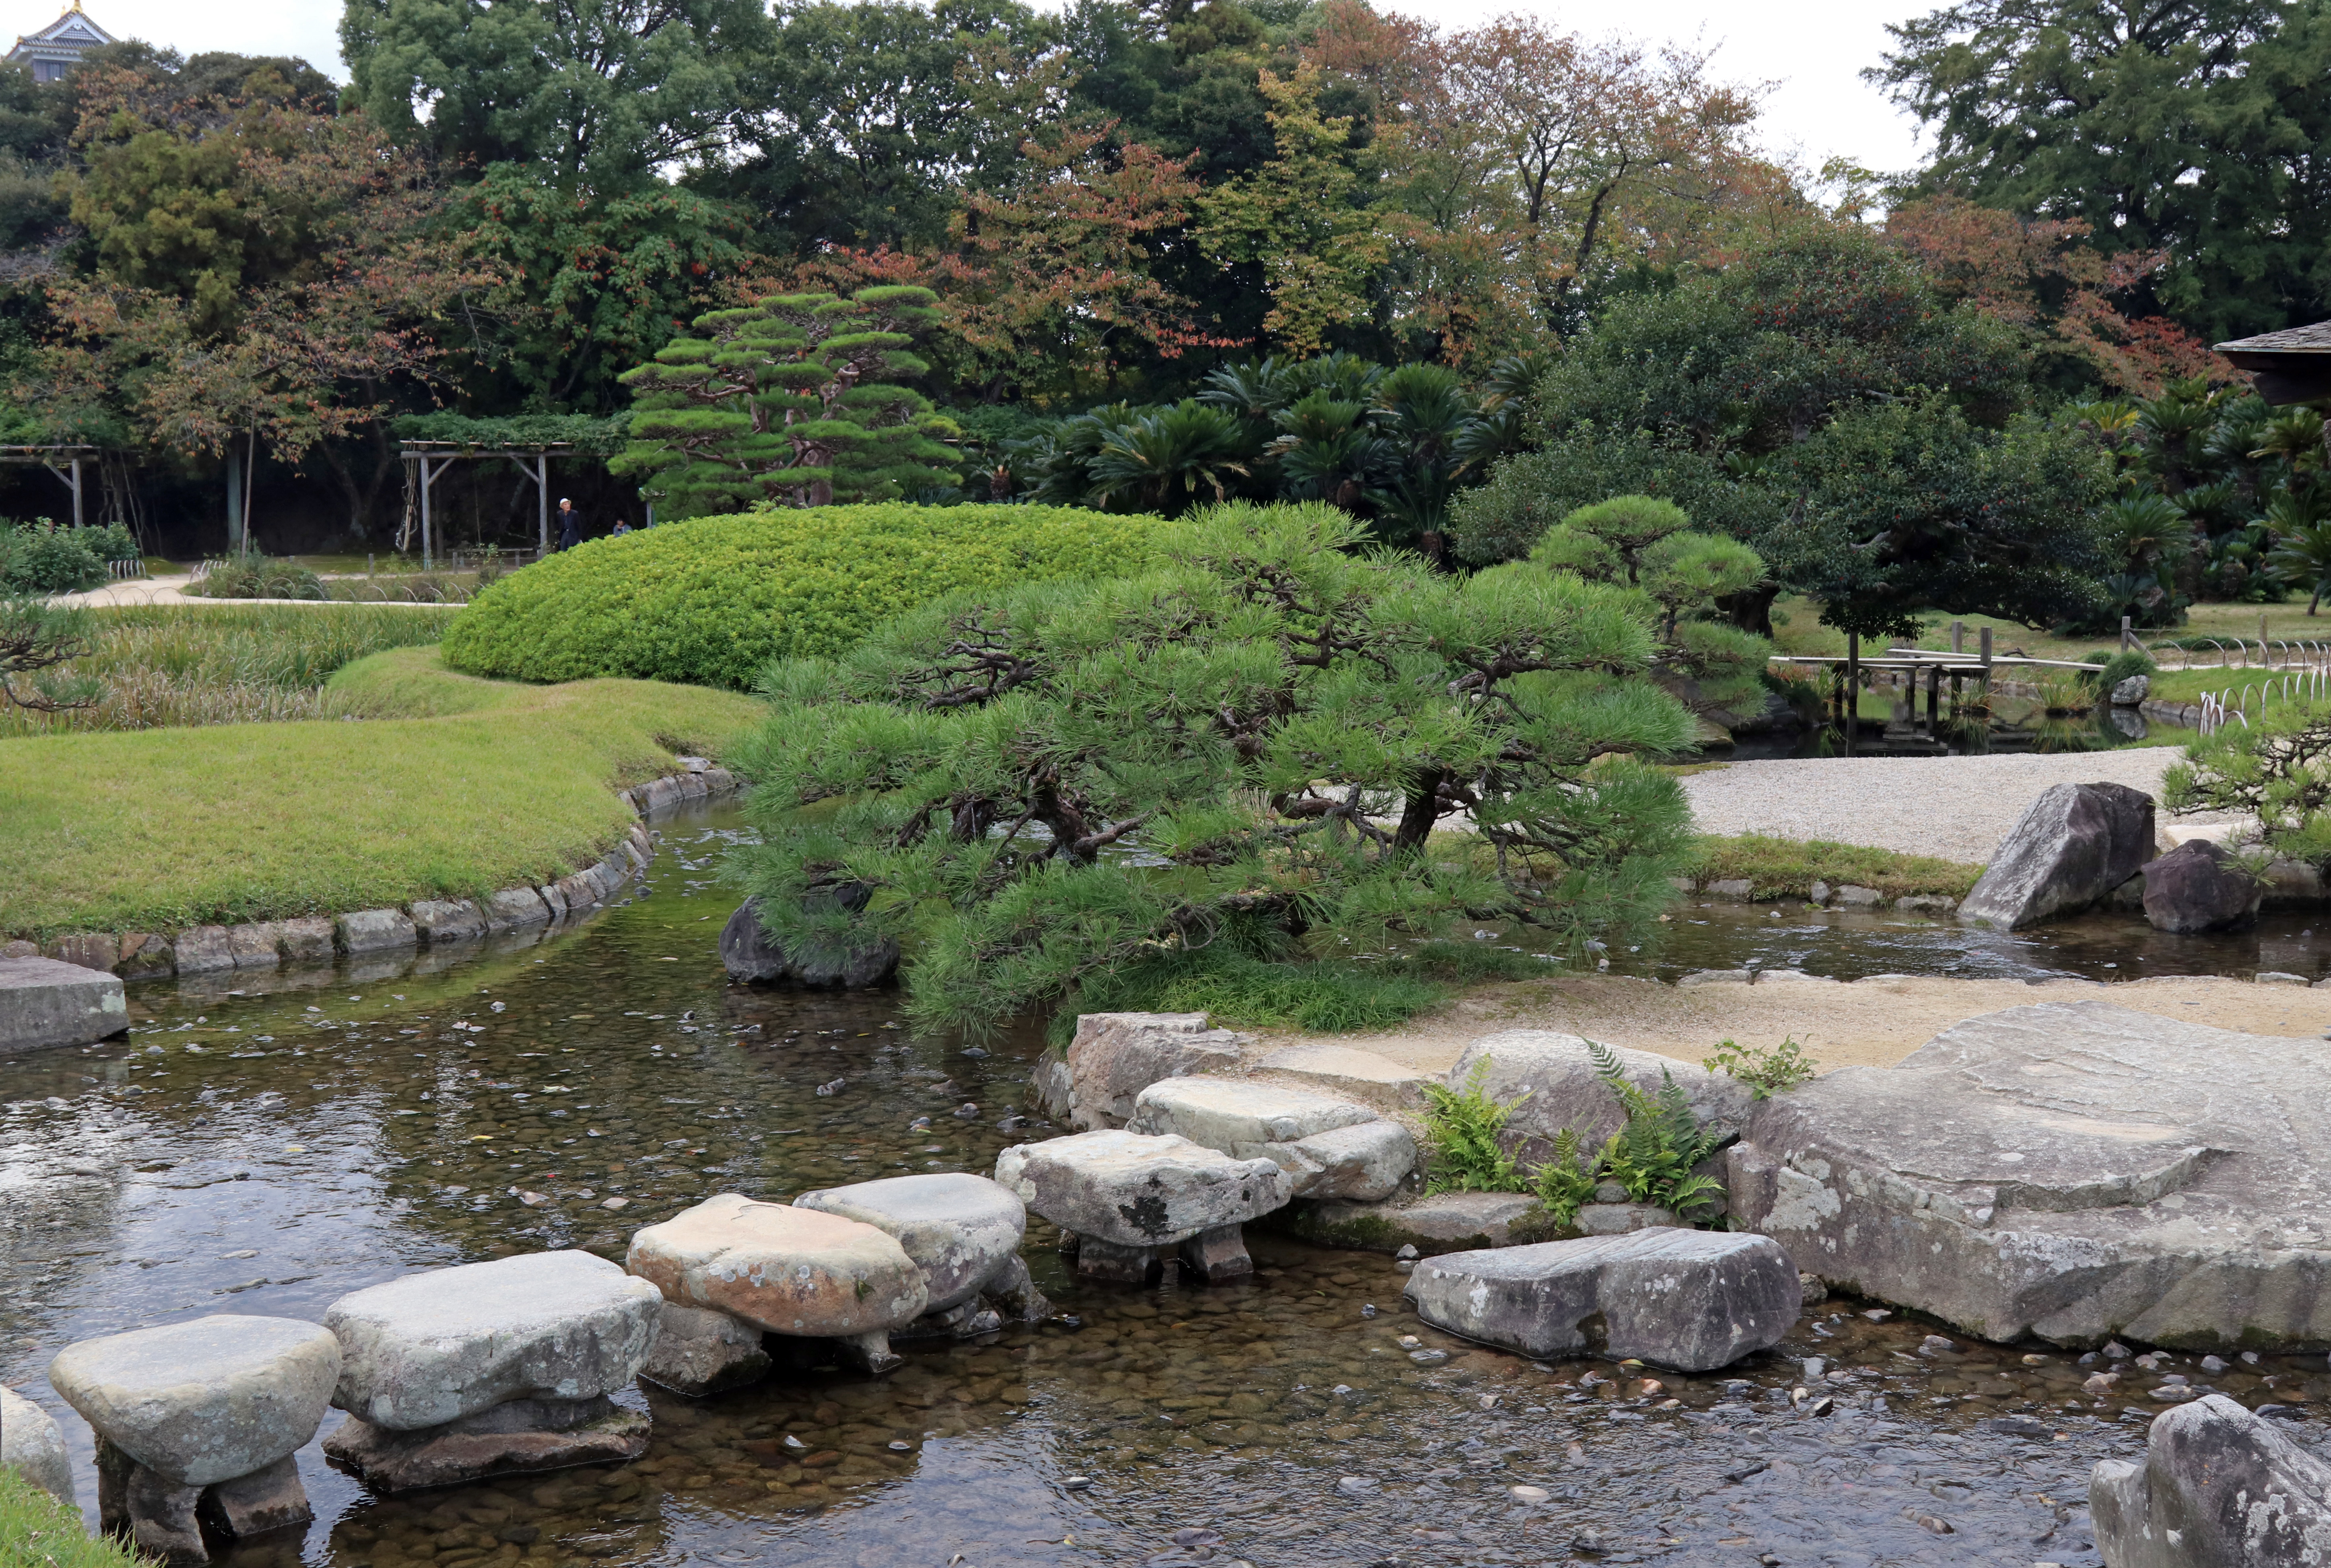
x=750 y=955
x=438 y=1347
x=44 y=1002
x=1693 y=1300
x=1331 y=1148
x=205 y=1401
x=32 y=1445
x=2071 y=1170
x=962 y=1231
x=1555 y=1080
x=1117 y=1055
x=2219 y=1488
x=2072 y=846
x=2199 y=887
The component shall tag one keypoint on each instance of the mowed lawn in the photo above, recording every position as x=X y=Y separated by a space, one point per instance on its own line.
x=455 y=786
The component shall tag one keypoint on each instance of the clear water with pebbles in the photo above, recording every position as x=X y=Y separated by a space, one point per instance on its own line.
x=269 y=1152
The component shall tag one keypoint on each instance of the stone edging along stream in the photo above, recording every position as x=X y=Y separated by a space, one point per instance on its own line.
x=426 y=923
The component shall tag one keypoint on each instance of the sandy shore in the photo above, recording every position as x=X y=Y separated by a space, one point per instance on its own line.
x=1956 y=807
x=1873 y=1022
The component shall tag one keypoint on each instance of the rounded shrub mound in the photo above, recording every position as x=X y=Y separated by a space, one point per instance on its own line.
x=712 y=600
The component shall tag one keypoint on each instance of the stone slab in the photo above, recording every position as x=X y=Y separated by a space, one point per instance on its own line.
x=44 y=1002
x=1129 y=1190
x=440 y=921
x=1329 y=1148
x=1694 y=1300
x=446 y=1343
x=375 y=931
x=204 y=1401
x=271 y=1498
x=510 y=1438
x=308 y=939
x=2071 y=1170
x=960 y=1230
x=1354 y=1074
x=791 y=1270
x=32 y=1445
x=202 y=950
x=515 y=908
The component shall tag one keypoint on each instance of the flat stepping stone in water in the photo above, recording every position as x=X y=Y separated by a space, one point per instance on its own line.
x=206 y=1400
x=437 y=1347
x=790 y=1270
x=1136 y=1195
x=1693 y=1300
x=963 y=1231
x=1329 y=1148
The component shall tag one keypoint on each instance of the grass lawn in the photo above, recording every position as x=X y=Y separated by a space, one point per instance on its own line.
x=36 y=1531
x=452 y=785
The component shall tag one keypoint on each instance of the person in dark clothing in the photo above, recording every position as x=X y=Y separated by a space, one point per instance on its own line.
x=570 y=525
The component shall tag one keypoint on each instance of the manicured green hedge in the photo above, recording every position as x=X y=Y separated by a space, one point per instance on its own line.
x=712 y=600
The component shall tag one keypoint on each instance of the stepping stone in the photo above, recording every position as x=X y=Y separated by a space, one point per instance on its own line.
x=1329 y=1148
x=2217 y=1484
x=1342 y=1069
x=1694 y=1300
x=438 y=1347
x=1438 y=1222
x=203 y=1401
x=45 y=1002
x=1117 y=1055
x=790 y=1270
x=198 y=1422
x=963 y=1231
x=1130 y=1198
x=32 y=1445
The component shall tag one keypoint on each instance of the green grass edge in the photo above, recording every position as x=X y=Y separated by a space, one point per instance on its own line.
x=36 y=1531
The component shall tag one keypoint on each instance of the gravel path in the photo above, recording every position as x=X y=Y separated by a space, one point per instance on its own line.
x=1956 y=807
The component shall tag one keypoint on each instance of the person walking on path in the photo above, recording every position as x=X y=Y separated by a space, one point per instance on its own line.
x=570 y=525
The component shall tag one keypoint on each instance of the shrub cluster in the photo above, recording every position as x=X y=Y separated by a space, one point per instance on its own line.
x=43 y=557
x=713 y=600
x=254 y=576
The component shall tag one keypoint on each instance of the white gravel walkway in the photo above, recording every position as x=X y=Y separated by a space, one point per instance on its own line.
x=1955 y=807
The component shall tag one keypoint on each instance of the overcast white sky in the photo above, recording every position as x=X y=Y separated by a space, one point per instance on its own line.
x=1813 y=50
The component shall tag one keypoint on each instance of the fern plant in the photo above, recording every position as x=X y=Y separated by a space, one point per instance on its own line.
x=1653 y=1154
x=1461 y=1132
x=1564 y=1183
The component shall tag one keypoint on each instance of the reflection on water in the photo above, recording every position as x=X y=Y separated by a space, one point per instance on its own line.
x=1852 y=943
x=268 y=1154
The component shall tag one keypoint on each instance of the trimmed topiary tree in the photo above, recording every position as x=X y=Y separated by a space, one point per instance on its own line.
x=714 y=601
x=1247 y=750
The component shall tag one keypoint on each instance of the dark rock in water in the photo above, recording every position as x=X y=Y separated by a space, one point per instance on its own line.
x=2198 y=887
x=2072 y=846
x=2218 y=1486
x=517 y=1437
x=749 y=955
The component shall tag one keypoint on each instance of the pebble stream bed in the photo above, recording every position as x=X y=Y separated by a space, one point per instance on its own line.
x=267 y=1153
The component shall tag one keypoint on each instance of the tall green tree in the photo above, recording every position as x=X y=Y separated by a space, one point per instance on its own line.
x=2196 y=127
x=1249 y=750
x=798 y=399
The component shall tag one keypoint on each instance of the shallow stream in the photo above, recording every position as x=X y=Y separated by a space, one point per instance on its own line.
x=268 y=1152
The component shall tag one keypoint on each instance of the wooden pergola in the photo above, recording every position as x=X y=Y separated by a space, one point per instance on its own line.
x=63 y=460
x=428 y=459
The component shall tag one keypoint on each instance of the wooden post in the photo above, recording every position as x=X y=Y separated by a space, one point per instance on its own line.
x=1986 y=697
x=1852 y=689
x=76 y=488
x=1933 y=698
x=2127 y=637
x=1958 y=636
x=542 y=506
x=425 y=479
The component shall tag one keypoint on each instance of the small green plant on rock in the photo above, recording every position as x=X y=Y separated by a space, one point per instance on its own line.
x=1653 y=1155
x=1766 y=1070
x=1564 y=1183
x=1461 y=1129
